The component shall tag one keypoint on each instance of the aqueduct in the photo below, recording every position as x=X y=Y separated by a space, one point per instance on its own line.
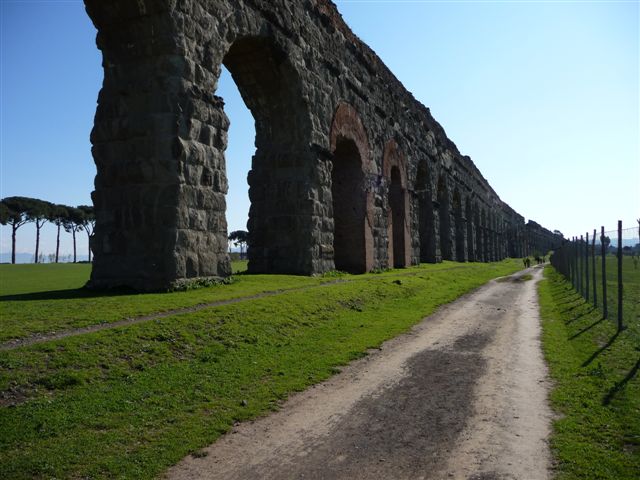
x=350 y=171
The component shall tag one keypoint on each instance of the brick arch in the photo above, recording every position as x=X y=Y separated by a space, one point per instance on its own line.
x=346 y=123
x=352 y=198
x=398 y=223
x=393 y=157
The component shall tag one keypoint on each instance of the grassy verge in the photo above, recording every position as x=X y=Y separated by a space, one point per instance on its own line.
x=131 y=401
x=38 y=299
x=597 y=391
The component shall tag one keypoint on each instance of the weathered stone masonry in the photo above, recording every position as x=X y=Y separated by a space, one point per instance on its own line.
x=350 y=171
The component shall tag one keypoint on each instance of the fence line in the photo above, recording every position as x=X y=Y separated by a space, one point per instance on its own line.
x=611 y=283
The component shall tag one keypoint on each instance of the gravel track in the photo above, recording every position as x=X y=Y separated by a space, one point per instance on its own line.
x=462 y=395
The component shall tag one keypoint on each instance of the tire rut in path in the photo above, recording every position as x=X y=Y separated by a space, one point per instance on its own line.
x=462 y=395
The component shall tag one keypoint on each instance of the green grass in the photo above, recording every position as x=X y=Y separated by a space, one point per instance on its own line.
x=631 y=289
x=129 y=402
x=597 y=386
x=36 y=299
x=239 y=266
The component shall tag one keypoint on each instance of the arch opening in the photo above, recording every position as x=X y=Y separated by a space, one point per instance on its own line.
x=426 y=221
x=397 y=217
x=485 y=237
x=271 y=89
x=444 y=211
x=349 y=208
x=459 y=227
x=471 y=226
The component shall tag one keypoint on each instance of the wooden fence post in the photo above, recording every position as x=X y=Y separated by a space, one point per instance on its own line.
x=586 y=269
x=593 y=269
x=580 y=267
x=620 y=325
x=605 y=312
x=573 y=266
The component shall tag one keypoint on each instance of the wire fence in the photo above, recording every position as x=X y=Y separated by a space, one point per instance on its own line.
x=604 y=267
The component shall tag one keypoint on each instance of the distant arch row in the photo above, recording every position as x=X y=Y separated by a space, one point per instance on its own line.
x=453 y=227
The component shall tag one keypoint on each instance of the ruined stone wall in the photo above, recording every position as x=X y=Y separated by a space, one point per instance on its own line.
x=330 y=118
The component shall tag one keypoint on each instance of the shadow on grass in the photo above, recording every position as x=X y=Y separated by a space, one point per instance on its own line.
x=578 y=316
x=585 y=329
x=70 y=294
x=564 y=296
x=579 y=304
x=621 y=384
x=601 y=349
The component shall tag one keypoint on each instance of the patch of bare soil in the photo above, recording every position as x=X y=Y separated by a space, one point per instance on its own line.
x=463 y=395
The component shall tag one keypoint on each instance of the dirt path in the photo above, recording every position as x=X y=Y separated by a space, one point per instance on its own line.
x=463 y=395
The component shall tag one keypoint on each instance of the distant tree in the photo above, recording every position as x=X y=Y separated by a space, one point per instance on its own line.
x=58 y=216
x=14 y=212
x=606 y=242
x=38 y=212
x=88 y=223
x=239 y=239
x=73 y=223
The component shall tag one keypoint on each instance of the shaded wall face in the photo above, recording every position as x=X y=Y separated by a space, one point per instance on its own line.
x=157 y=142
x=349 y=209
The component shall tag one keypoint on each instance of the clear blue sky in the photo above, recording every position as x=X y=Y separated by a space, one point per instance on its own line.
x=544 y=97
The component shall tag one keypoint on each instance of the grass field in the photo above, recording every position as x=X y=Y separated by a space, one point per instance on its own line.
x=631 y=290
x=37 y=299
x=597 y=386
x=130 y=401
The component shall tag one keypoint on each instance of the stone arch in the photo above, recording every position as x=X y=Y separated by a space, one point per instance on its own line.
x=444 y=210
x=352 y=201
x=426 y=221
x=160 y=135
x=460 y=230
x=159 y=139
x=398 y=229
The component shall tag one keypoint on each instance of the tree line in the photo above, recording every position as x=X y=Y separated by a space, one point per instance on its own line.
x=18 y=211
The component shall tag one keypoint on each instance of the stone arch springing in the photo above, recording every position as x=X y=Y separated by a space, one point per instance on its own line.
x=444 y=211
x=426 y=221
x=271 y=89
x=398 y=231
x=352 y=201
x=471 y=227
x=460 y=250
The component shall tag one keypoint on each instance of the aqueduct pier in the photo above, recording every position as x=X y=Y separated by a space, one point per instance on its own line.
x=350 y=171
